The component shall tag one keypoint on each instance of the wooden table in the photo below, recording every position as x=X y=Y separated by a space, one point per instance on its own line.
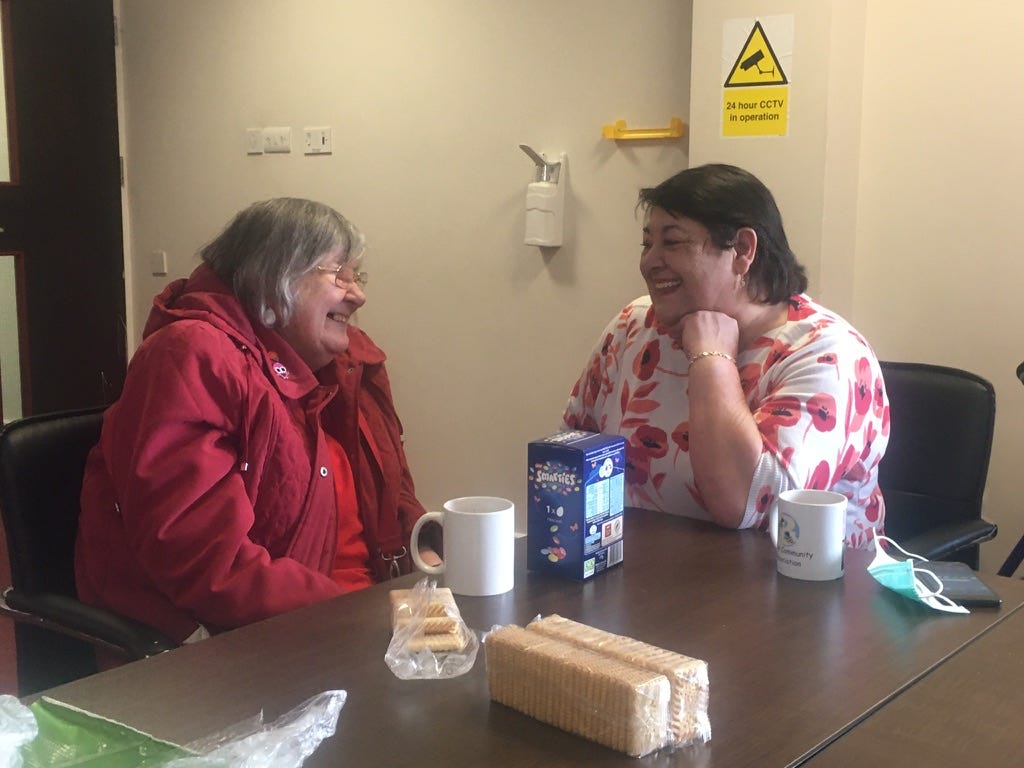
x=967 y=712
x=792 y=664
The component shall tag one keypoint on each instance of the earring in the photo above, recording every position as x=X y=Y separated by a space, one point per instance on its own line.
x=268 y=317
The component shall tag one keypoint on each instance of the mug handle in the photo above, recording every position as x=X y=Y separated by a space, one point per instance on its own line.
x=414 y=548
x=773 y=524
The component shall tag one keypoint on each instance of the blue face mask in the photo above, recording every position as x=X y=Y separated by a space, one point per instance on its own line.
x=915 y=583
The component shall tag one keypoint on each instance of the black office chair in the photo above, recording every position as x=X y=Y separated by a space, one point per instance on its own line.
x=42 y=460
x=1013 y=560
x=934 y=470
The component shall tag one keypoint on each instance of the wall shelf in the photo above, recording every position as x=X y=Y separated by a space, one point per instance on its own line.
x=619 y=132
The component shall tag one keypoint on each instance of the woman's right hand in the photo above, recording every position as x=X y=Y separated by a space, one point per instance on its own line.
x=707 y=331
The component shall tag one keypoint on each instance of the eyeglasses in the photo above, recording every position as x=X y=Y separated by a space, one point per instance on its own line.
x=345 y=276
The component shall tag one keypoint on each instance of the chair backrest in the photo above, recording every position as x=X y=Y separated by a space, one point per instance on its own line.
x=941 y=425
x=42 y=460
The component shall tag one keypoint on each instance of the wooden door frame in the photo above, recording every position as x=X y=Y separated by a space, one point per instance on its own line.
x=8 y=61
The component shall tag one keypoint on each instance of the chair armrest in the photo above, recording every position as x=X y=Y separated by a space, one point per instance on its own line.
x=98 y=626
x=950 y=538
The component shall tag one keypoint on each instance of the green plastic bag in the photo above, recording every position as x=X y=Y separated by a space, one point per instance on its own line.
x=50 y=734
x=70 y=737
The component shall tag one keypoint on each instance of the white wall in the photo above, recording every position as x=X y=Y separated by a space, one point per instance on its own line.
x=812 y=171
x=429 y=102
x=897 y=183
x=939 y=272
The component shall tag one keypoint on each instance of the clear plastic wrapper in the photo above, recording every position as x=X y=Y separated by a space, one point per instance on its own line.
x=17 y=728
x=687 y=676
x=287 y=741
x=66 y=736
x=429 y=639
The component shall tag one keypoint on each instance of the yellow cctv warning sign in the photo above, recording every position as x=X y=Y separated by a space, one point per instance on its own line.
x=756 y=112
x=757 y=63
x=755 y=96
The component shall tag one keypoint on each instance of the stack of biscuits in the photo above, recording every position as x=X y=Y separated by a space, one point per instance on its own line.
x=620 y=692
x=427 y=620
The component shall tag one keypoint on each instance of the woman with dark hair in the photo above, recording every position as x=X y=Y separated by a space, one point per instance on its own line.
x=730 y=384
x=253 y=463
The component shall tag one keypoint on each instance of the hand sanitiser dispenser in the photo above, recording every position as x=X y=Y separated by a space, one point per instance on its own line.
x=545 y=201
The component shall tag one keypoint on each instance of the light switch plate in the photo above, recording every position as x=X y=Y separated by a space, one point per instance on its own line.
x=277 y=139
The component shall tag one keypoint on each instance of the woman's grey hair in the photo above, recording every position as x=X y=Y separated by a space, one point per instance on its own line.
x=270 y=245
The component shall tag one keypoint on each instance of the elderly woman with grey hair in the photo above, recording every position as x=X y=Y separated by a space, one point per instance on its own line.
x=253 y=463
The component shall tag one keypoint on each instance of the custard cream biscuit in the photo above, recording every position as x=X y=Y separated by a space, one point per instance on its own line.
x=441 y=604
x=580 y=690
x=449 y=641
x=432 y=625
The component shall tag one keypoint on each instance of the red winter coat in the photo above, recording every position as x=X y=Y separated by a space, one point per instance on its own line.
x=209 y=498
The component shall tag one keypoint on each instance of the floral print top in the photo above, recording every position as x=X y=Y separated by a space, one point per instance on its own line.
x=813 y=385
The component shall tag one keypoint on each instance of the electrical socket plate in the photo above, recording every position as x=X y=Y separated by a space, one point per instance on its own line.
x=277 y=139
x=318 y=140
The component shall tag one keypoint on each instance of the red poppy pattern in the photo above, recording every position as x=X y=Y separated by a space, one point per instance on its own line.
x=814 y=388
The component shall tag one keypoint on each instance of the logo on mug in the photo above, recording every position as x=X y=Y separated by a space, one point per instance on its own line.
x=789 y=529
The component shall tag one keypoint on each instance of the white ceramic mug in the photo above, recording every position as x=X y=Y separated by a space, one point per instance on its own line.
x=808 y=529
x=479 y=545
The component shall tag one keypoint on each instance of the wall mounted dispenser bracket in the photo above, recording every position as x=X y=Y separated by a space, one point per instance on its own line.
x=545 y=201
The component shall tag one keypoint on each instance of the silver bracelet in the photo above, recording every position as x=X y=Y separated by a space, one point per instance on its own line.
x=711 y=353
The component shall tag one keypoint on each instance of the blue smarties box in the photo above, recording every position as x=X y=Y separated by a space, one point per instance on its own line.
x=574 y=503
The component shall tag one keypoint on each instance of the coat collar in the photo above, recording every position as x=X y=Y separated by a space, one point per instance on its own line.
x=361 y=349
x=204 y=296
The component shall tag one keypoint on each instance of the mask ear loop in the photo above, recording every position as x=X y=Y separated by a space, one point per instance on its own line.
x=910 y=555
x=947 y=602
x=936 y=592
x=901 y=549
x=937 y=595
